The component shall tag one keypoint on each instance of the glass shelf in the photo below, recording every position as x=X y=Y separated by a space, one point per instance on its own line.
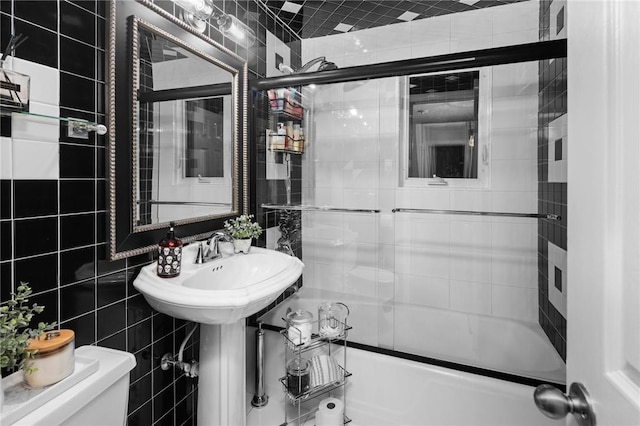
x=77 y=127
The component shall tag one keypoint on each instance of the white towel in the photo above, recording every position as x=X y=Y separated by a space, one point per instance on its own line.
x=324 y=370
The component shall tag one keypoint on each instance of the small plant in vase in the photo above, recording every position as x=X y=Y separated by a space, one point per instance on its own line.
x=15 y=333
x=242 y=229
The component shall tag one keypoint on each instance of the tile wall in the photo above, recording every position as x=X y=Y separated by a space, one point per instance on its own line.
x=53 y=212
x=552 y=180
x=458 y=263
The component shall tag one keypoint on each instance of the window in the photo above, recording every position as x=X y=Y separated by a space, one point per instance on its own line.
x=204 y=140
x=443 y=125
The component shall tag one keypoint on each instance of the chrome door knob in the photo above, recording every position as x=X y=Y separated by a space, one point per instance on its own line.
x=556 y=405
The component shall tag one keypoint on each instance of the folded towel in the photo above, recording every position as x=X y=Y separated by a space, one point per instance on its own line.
x=324 y=370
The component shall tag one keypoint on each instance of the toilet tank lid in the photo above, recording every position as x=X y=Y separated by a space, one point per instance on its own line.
x=113 y=365
x=117 y=362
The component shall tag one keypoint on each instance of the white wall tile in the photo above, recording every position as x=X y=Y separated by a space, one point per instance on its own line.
x=431 y=30
x=472 y=200
x=276 y=46
x=44 y=83
x=472 y=24
x=365 y=226
x=422 y=291
x=514 y=143
x=428 y=48
x=516 y=17
x=471 y=297
x=35 y=160
x=360 y=198
x=516 y=237
x=514 y=175
x=471 y=266
x=515 y=37
x=6 y=168
x=515 y=303
x=515 y=201
x=514 y=270
x=516 y=111
x=515 y=79
x=470 y=235
x=470 y=43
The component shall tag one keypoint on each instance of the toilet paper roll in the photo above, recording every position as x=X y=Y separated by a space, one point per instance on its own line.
x=330 y=412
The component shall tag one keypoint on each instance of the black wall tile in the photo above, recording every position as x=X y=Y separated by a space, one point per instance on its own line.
x=111 y=319
x=6 y=196
x=117 y=341
x=39 y=272
x=43 y=13
x=5 y=126
x=139 y=336
x=6 y=240
x=77 y=299
x=77 y=92
x=77 y=230
x=87 y=4
x=77 y=161
x=77 y=23
x=35 y=236
x=5 y=281
x=77 y=196
x=77 y=58
x=49 y=300
x=41 y=46
x=35 y=198
x=111 y=288
x=77 y=265
x=84 y=328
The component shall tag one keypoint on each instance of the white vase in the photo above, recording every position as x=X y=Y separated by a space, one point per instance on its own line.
x=242 y=245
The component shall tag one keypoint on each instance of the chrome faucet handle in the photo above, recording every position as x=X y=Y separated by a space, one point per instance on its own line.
x=200 y=256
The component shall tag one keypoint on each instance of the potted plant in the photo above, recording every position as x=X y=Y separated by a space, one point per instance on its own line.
x=15 y=333
x=242 y=229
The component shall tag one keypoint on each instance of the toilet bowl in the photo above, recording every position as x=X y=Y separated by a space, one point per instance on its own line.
x=100 y=398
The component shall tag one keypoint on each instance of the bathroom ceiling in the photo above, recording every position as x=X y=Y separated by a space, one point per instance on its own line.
x=312 y=18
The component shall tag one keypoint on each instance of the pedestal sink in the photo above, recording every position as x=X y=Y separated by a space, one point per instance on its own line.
x=219 y=295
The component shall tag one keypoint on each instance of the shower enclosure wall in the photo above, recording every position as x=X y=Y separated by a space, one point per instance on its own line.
x=421 y=277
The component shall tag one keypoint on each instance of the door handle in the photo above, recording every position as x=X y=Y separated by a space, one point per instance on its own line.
x=556 y=405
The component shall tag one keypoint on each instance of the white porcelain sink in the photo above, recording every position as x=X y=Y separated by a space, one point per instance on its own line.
x=221 y=291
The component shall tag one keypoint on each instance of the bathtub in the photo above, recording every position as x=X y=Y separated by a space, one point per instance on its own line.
x=385 y=390
x=492 y=343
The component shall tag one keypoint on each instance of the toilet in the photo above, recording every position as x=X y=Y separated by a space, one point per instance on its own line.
x=100 y=398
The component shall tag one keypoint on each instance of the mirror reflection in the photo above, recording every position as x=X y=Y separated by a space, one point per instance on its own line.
x=185 y=143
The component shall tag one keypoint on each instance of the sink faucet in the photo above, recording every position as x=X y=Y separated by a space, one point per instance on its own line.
x=210 y=251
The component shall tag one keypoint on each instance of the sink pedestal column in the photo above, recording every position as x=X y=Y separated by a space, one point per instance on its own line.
x=222 y=371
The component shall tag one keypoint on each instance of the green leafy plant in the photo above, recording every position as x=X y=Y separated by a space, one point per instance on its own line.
x=15 y=317
x=243 y=227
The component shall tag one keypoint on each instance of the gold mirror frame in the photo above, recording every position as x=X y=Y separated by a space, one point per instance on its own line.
x=126 y=238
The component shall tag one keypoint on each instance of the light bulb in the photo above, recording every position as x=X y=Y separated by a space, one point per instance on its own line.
x=196 y=12
x=231 y=27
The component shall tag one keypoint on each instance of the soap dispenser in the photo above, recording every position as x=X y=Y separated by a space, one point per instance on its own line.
x=169 y=255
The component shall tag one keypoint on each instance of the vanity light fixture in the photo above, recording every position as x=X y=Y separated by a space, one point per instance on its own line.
x=196 y=13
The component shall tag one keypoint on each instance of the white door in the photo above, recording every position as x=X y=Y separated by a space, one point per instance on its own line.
x=603 y=344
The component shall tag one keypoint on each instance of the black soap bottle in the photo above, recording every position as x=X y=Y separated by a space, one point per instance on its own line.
x=169 y=255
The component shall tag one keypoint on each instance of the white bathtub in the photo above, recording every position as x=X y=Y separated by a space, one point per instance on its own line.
x=492 y=343
x=386 y=390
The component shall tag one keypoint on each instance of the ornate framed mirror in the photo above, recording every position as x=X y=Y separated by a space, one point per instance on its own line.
x=176 y=119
